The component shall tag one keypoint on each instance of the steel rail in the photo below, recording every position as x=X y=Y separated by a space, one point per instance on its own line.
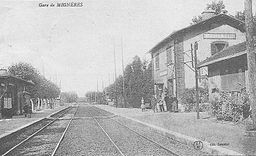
x=146 y=138
x=119 y=150
x=32 y=135
x=63 y=134
x=165 y=148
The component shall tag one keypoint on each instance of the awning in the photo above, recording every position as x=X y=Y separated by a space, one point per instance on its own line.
x=228 y=53
x=9 y=76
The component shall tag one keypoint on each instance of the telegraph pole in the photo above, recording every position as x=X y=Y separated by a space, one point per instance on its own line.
x=123 y=73
x=196 y=79
x=108 y=78
x=115 y=74
x=250 y=37
x=97 y=91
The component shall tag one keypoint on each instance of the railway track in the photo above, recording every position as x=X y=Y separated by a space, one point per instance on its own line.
x=120 y=139
x=95 y=118
x=12 y=150
x=64 y=133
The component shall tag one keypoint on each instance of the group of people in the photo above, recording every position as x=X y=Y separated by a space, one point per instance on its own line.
x=157 y=103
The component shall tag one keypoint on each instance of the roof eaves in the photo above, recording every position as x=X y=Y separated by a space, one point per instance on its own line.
x=206 y=63
x=160 y=44
x=18 y=78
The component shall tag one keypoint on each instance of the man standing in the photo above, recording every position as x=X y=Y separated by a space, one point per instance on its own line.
x=167 y=102
x=174 y=103
x=161 y=103
x=153 y=103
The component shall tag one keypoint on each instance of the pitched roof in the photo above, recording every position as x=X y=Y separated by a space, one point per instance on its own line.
x=230 y=52
x=219 y=19
x=8 y=75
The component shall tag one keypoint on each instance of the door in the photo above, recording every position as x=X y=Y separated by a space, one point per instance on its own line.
x=170 y=87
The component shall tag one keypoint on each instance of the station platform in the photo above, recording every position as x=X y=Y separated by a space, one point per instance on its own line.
x=8 y=126
x=218 y=137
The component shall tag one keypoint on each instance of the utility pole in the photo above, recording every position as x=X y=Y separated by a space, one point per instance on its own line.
x=123 y=73
x=251 y=58
x=95 y=96
x=103 y=92
x=108 y=78
x=97 y=91
x=196 y=79
x=115 y=74
x=91 y=97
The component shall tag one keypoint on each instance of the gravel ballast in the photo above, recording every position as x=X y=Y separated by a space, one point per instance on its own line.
x=152 y=134
x=44 y=142
x=129 y=142
x=84 y=137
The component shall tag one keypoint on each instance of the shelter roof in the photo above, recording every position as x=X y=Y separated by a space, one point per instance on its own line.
x=7 y=75
x=230 y=52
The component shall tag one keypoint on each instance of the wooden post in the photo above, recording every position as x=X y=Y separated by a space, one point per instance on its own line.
x=123 y=91
x=115 y=83
x=250 y=58
x=196 y=79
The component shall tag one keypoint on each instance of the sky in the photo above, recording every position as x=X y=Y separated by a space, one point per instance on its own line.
x=74 y=47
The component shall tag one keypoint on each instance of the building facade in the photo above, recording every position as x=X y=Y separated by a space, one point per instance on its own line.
x=173 y=57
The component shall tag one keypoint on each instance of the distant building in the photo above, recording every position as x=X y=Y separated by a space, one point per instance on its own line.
x=173 y=57
x=13 y=95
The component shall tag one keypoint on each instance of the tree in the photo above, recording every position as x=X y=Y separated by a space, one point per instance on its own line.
x=69 y=97
x=134 y=78
x=148 y=89
x=189 y=97
x=240 y=15
x=218 y=7
x=43 y=88
x=91 y=96
x=138 y=83
x=196 y=19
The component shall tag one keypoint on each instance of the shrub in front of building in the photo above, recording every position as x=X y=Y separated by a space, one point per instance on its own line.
x=232 y=106
x=189 y=99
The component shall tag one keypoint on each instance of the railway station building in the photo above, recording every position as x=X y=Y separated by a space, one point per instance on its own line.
x=173 y=57
x=13 y=94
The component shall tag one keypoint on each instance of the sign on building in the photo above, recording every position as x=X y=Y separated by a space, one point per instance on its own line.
x=220 y=36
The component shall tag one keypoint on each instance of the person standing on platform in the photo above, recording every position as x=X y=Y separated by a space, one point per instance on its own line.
x=167 y=102
x=161 y=103
x=153 y=103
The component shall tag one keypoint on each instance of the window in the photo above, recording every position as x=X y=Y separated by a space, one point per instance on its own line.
x=169 y=53
x=218 y=46
x=157 y=61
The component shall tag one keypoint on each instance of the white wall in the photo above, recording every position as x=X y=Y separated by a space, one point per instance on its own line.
x=159 y=75
x=204 y=49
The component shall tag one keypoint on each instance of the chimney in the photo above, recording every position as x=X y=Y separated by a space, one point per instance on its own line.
x=208 y=13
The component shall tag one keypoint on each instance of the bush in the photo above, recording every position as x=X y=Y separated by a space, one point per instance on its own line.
x=189 y=99
x=231 y=106
x=191 y=107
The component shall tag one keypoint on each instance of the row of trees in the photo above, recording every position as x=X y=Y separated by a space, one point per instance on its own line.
x=69 y=97
x=94 y=96
x=138 y=83
x=43 y=88
x=128 y=89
